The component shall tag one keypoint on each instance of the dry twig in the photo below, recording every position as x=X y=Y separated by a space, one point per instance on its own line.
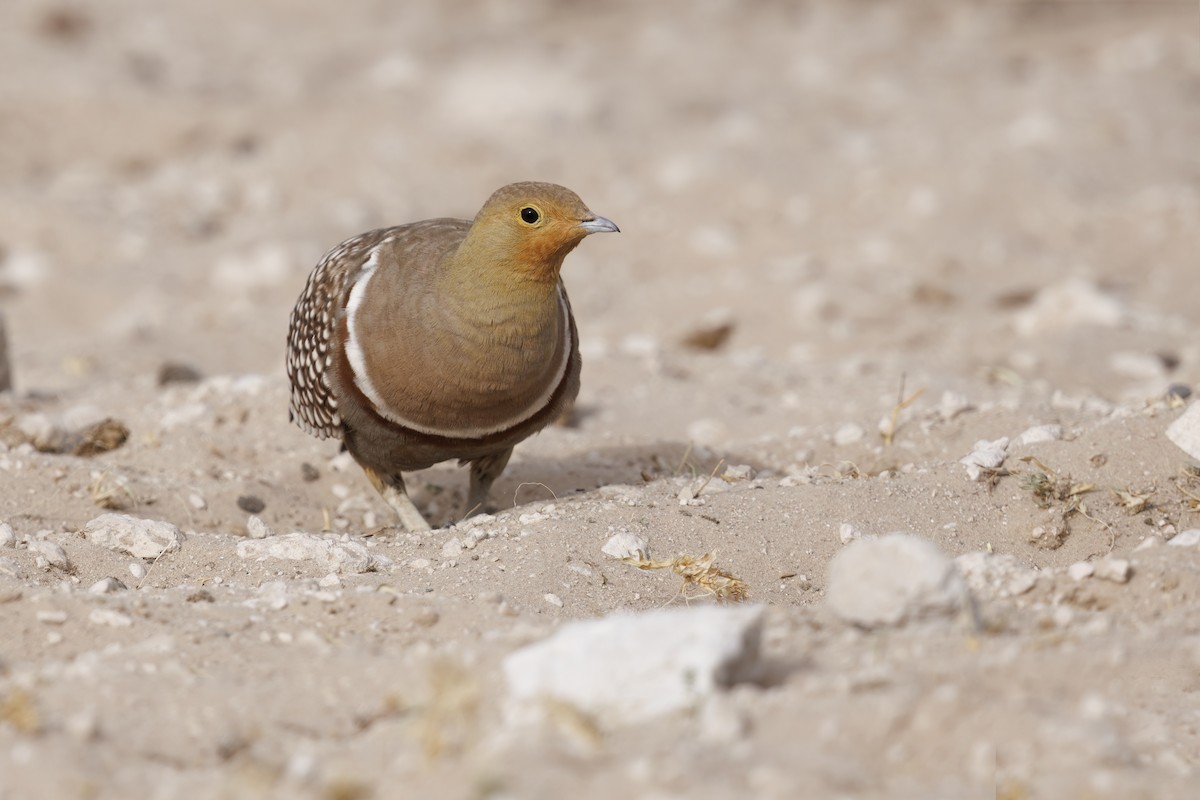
x=701 y=573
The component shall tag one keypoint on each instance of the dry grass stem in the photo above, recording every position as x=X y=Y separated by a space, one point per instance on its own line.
x=701 y=574
x=708 y=480
x=902 y=403
x=112 y=493
x=1133 y=502
x=521 y=486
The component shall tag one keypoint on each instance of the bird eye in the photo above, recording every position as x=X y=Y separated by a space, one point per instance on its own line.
x=530 y=215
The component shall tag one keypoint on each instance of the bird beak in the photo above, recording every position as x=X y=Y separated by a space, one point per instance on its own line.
x=599 y=225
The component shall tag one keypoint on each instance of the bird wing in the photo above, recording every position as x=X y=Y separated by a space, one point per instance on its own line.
x=312 y=329
x=311 y=333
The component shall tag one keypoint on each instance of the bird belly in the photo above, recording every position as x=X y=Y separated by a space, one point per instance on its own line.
x=461 y=381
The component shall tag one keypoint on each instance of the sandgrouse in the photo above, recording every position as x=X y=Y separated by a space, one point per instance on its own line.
x=442 y=339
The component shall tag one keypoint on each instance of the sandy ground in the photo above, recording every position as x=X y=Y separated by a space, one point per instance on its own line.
x=991 y=209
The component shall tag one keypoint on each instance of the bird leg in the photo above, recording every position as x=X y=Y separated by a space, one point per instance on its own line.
x=391 y=489
x=484 y=472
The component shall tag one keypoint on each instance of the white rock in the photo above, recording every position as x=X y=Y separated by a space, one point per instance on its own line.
x=11 y=568
x=452 y=548
x=106 y=586
x=50 y=552
x=847 y=533
x=328 y=555
x=1041 y=433
x=986 y=456
x=7 y=537
x=688 y=497
x=1070 y=304
x=1188 y=538
x=995 y=575
x=1116 y=570
x=108 y=616
x=1080 y=570
x=892 y=579
x=330 y=581
x=1150 y=542
x=137 y=569
x=140 y=538
x=1185 y=431
x=738 y=472
x=849 y=433
x=625 y=668
x=256 y=528
x=197 y=502
x=626 y=545
x=36 y=427
x=52 y=617
x=553 y=599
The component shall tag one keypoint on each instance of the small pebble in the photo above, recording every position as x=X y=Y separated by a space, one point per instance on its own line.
x=1188 y=538
x=251 y=504
x=309 y=473
x=1185 y=431
x=137 y=570
x=1041 y=433
x=51 y=553
x=178 y=372
x=738 y=472
x=330 y=581
x=108 y=616
x=7 y=537
x=553 y=599
x=52 y=617
x=107 y=586
x=1080 y=570
x=847 y=533
x=452 y=548
x=985 y=458
x=891 y=579
x=1116 y=570
x=626 y=545
x=426 y=617
x=256 y=528
x=140 y=538
x=197 y=502
x=1178 y=391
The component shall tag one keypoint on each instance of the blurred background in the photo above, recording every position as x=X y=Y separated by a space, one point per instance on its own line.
x=991 y=190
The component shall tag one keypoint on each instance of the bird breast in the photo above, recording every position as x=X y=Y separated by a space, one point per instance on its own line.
x=444 y=365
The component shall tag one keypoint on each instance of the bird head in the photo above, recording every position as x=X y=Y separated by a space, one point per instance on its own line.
x=531 y=227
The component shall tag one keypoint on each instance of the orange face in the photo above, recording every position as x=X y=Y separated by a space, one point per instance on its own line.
x=531 y=227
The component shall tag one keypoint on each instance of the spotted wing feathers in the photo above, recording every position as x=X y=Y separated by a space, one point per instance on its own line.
x=312 y=334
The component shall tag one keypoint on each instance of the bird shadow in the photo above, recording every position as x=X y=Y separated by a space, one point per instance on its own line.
x=440 y=491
